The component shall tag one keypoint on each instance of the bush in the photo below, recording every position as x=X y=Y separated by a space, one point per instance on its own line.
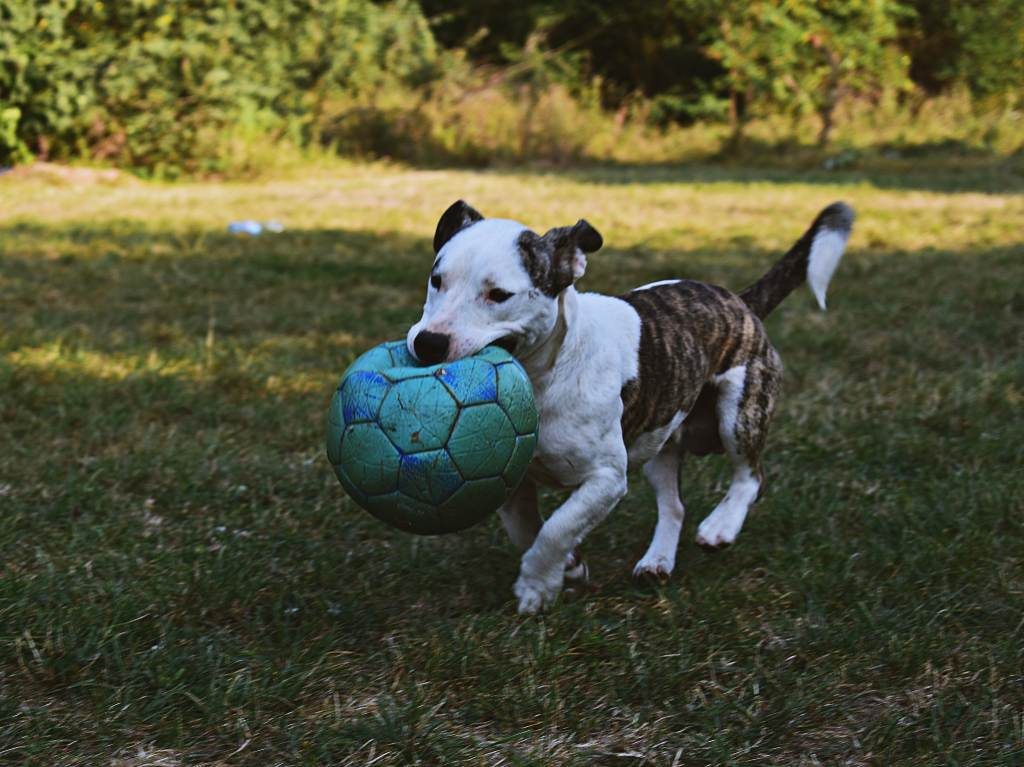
x=157 y=87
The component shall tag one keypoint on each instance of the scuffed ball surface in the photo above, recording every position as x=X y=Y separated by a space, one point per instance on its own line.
x=436 y=448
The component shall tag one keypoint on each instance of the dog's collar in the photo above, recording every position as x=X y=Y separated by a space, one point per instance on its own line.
x=551 y=345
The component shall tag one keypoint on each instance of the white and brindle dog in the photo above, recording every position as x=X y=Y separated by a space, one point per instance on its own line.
x=634 y=380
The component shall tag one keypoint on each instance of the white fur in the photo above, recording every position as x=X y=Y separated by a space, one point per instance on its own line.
x=579 y=351
x=647 y=445
x=543 y=566
x=730 y=391
x=650 y=285
x=826 y=250
x=478 y=258
x=722 y=525
x=580 y=445
x=662 y=472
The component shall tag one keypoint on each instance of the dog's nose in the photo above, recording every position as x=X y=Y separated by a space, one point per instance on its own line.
x=430 y=347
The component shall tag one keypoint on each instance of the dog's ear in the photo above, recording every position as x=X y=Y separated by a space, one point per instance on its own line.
x=458 y=216
x=569 y=246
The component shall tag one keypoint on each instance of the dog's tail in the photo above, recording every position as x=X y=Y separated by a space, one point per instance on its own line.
x=814 y=258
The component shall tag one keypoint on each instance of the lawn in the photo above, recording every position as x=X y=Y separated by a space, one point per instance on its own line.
x=183 y=582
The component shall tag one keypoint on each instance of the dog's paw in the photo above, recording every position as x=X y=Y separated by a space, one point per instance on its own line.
x=576 y=570
x=531 y=601
x=717 y=532
x=653 y=569
x=534 y=594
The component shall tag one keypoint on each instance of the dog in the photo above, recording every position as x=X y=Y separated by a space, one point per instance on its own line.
x=673 y=367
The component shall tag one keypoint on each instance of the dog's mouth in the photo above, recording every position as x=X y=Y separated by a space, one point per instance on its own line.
x=508 y=343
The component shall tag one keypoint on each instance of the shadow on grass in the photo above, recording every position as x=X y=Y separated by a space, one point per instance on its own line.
x=940 y=166
x=989 y=177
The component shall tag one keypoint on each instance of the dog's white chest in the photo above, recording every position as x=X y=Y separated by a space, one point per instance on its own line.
x=579 y=399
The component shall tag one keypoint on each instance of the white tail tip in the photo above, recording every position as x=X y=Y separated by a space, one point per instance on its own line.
x=826 y=250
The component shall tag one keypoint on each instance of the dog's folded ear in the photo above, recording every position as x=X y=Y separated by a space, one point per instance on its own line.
x=568 y=245
x=587 y=237
x=458 y=216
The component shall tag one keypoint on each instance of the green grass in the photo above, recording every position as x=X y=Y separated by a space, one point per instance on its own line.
x=183 y=582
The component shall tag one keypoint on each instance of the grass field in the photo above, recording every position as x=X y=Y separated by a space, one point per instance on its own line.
x=182 y=581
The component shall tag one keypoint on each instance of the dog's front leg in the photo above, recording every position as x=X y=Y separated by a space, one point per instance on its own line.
x=521 y=517
x=543 y=566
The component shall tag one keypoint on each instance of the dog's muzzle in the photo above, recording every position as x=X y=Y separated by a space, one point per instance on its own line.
x=508 y=343
x=430 y=348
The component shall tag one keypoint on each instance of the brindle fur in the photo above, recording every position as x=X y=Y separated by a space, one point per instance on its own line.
x=691 y=332
x=548 y=258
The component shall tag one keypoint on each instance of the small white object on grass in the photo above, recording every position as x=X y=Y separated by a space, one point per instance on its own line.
x=255 y=228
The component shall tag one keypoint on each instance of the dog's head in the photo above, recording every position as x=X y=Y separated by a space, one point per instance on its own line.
x=495 y=281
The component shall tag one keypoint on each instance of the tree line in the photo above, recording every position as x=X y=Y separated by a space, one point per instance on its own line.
x=180 y=86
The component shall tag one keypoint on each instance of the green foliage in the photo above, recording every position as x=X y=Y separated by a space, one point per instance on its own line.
x=650 y=48
x=992 y=50
x=800 y=56
x=980 y=45
x=12 y=148
x=154 y=86
x=233 y=88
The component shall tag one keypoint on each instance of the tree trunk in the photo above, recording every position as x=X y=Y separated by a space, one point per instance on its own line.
x=833 y=92
x=826 y=114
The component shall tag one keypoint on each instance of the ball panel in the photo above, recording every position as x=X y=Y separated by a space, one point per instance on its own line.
x=335 y=429
x=369 y=459
x=493 y=354
x=354 y=492
x=515 y=394
x=400 y=356
x=430 y=477
x=418 y=414
x=482 y=441
x=361 y=394
x=372 y=360
x=405 y=513
x=474 y=501
x=394 y=375
x=471 y=380
x=520 y=460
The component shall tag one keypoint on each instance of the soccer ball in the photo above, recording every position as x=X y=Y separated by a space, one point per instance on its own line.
x=431 y=448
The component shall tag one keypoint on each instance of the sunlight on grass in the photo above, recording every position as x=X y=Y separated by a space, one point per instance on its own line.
x=56 y=362
x=631 y=206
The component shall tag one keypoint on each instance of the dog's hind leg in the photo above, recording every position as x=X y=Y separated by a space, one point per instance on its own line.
x=746 y=399
x=662 y=472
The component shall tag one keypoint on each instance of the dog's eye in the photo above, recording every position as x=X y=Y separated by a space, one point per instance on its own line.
x=435 y=281
x=499 y=296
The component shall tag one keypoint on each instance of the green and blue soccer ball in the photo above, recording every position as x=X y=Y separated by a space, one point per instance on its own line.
x=431 y=448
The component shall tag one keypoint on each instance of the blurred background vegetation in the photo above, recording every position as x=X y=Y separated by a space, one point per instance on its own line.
x=239 y=87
